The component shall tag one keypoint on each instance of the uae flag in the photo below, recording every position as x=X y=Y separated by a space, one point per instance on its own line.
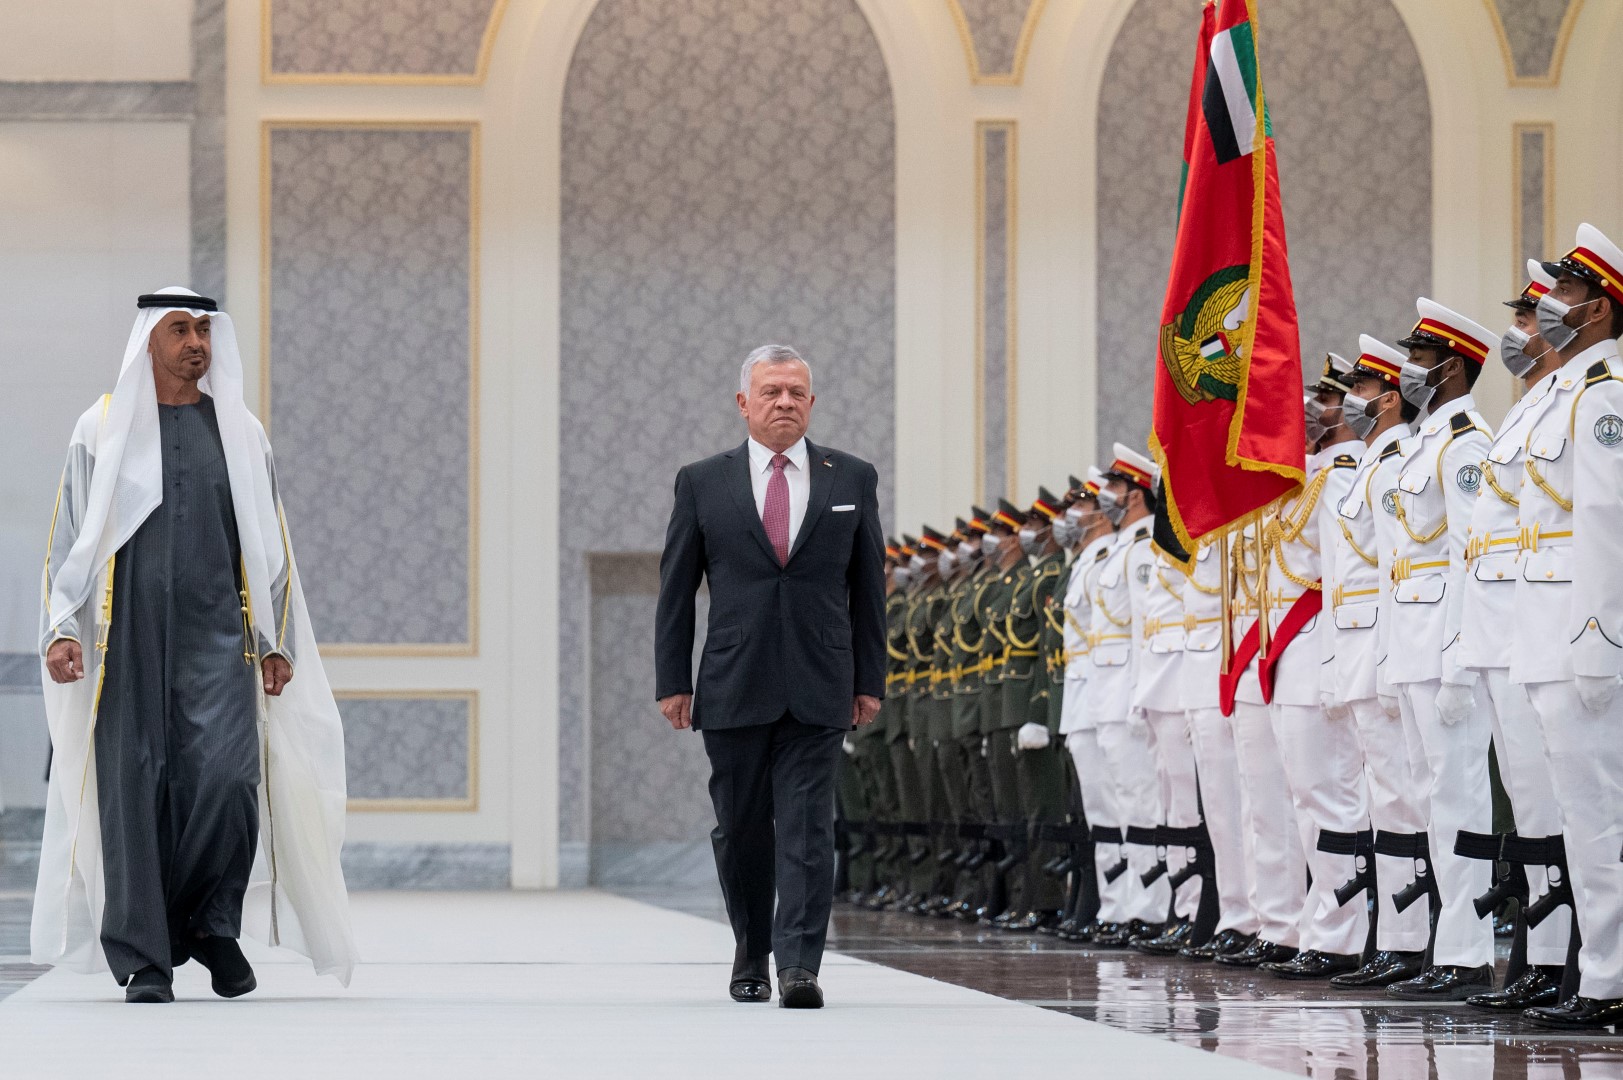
x=1228 y=429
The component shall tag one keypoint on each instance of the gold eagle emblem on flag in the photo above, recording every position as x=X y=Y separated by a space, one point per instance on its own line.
x=1201 y=348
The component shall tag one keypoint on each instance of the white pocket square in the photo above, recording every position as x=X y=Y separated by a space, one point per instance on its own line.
x=843 y=509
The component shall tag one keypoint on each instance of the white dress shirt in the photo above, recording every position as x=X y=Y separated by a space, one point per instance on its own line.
x=795 y=473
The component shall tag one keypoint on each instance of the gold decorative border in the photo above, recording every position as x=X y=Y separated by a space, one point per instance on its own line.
x=470 y=647
x=1558 y=55
x=1519 y=260
x=468 y=804
x=1022 y=48
x=343 y=78
x=1011 y=188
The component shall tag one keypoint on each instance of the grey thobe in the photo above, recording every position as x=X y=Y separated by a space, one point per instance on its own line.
x=176 y=738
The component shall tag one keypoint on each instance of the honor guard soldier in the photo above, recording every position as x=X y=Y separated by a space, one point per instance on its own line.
x=1569 y=603
x=1447 y=719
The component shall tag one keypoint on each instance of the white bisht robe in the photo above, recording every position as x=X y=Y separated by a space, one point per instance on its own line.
x=113 y=479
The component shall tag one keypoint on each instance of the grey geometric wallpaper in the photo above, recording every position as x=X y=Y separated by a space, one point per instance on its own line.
x=728 y=180
x=377 y=37
x=370 y=305
x=1533 y=191
x=995 y=27
x=1533 y=29
x=1352 y=128
x=995 y=151
x=399 y=747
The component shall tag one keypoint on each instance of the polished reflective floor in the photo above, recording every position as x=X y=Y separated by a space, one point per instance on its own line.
x=1304 y=1029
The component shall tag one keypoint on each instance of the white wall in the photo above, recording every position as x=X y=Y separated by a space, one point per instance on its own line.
x=95 y=40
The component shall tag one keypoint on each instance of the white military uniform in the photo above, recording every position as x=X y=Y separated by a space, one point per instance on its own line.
x=1278 y=868
x=1437 y=488
x=1318 y=747
x=1568 y=623
x=1079 y=725
x=1489 y=611
x=1157 y=697
x=1222 y=796
x=1125 y=746
x=1356 y=591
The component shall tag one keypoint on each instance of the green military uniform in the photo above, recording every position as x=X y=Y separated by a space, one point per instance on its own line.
x=1041 y=774
x=873 y=753
x=965 y=771
x=910 y=754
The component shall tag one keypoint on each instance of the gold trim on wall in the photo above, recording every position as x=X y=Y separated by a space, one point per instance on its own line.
x=1011 y=189
x=1558 y=54
x=344 y=78
x=1022 y=47
x=426 y=806
x=470 y=647
x=1519 y=260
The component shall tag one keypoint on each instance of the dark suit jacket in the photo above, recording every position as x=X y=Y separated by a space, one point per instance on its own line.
x=803 y=638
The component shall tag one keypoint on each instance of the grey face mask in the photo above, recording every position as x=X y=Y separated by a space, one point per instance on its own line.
x=1412 y=385
x=967 y=551
x=944 y=563
x=989 y=544
x=1313 y=415
x=917 y=565
x=1066 y=532
x=1513 y=351
x=1355 y=413
x=1113 y=507
x=901 y=575
x=1552 y=321
x=1028 y=541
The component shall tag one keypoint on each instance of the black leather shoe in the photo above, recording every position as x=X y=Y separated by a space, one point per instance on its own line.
x=1007 y=919
x=1124 y=933
x=1169 y=941
x=1312 y=965
x=1444 y=982
x=798 y=989
x=752 y=978
x=232 y=975
x=1259 y=952
x=1579 y=1013
x=1383 y=969
x=1222 y=943
x=149 y=986
x=1533 y=990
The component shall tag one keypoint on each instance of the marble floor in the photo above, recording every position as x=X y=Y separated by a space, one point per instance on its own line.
x=582 y=984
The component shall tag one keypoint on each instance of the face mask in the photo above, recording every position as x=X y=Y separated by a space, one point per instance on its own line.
x=1313 y=414
x=1356 y=415
x=1413 y=386
x=1552 y=321
x=1028 y=541
x=967 y=551
x=1513 y=351
x=944 y=563
x=1113 y=506
x=989 y=544
x=1066 y=532
x=917 y=564
x=901 y=575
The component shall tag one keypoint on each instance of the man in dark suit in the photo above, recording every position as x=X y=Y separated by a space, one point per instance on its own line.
x=788 y=536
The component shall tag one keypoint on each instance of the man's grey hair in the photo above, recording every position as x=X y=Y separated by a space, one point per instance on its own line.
x=769 y=354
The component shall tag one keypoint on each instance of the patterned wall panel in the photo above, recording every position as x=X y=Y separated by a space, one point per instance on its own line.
x=370 y=326
x=1533 y=35
x=1354 y=146
x=648 y=783
x=379 y=41
x=728 y=180
x=1533 y=156
x=410 y=750
x=996 y=154
x=996 y=35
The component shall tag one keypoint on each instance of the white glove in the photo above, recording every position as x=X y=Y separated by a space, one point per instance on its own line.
x=1454 y=703
x=1389 y=703
x=1596 y=690
x=1075 y=738
x=849 y=746
x=1033 y=737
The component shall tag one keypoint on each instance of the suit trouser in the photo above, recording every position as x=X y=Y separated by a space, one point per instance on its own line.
x=1279 y=870
x=1396 y=805
x=1324 y=769
x=1524 y=766
x=1222 y=797
x=1180 y=797
x=1126 y=749
x=1586 y=764
x=1100 y=807
x=1040 y=778
x=1459 y=797
x=772 y=786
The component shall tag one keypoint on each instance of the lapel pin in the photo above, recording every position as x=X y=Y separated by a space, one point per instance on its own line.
x=827 y=464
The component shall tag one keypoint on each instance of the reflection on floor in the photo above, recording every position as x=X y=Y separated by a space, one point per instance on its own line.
x=1310 y=1031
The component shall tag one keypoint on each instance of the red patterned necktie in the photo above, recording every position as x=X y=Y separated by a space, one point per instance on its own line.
x=775 y=514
